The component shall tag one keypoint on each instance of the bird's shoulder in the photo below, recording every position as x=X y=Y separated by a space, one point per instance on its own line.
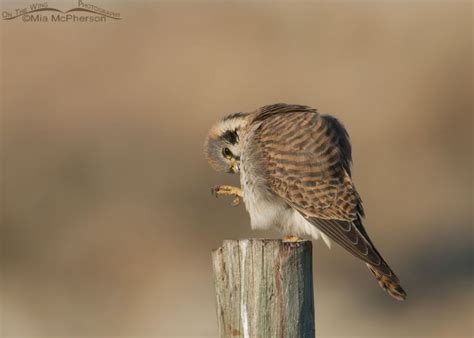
x=306 y=158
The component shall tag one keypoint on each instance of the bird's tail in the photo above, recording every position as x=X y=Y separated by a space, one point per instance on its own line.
x=391 y=284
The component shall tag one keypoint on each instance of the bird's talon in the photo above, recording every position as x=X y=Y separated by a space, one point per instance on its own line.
x=291 y=238
x=235 y=201
x=228 y=190
x=215 y=190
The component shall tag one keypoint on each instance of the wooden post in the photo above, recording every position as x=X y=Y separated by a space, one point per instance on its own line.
x=264 y=288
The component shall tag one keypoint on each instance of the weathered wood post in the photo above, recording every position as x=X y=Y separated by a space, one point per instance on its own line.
x=264 y=288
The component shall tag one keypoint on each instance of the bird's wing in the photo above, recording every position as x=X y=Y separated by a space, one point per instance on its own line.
x=306 y=159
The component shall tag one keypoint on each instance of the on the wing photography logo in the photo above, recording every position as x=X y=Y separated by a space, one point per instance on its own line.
x=42 y=12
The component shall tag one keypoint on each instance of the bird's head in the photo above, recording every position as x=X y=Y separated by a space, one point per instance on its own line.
x=222 y=147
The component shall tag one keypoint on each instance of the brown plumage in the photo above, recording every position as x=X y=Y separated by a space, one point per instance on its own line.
x=304 y=159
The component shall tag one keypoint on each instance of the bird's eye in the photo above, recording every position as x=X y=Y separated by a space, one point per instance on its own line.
x=227 y=153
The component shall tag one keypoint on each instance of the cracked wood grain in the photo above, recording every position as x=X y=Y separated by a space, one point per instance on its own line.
x=264 y=288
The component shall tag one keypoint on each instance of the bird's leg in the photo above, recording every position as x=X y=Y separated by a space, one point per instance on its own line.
x=291 y=238
x=228 y=190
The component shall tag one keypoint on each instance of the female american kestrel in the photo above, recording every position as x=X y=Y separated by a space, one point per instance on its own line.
x=295 y=175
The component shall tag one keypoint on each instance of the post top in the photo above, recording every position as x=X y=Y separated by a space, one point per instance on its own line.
x=264 y=240
x=276 y=242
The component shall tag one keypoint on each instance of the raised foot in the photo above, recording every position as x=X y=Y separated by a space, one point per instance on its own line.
x=228 y=190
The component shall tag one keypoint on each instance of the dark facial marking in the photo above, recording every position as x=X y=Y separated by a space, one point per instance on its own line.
x=234 y=115
x=231 y=136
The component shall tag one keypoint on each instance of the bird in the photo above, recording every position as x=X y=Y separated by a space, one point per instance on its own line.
x=295 y=176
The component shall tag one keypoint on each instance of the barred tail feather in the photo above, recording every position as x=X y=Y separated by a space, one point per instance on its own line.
x=390 y=284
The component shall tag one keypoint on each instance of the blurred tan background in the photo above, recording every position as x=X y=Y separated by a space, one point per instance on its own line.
x=108 y=221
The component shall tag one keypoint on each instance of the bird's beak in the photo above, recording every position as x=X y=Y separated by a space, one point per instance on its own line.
x=234 y=167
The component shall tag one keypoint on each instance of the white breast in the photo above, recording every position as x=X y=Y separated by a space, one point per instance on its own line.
x=264 y=209
x=267 y=210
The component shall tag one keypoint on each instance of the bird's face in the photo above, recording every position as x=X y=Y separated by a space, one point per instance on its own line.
x=222 y=147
